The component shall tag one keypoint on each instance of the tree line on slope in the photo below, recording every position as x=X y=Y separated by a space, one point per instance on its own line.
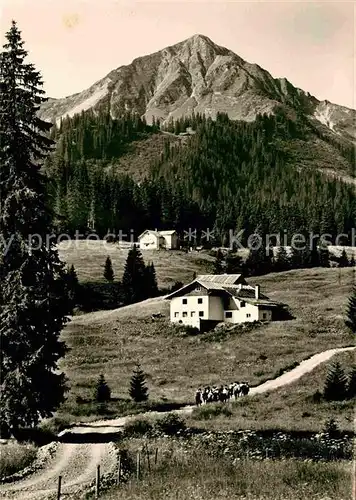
x=230 y=175
x=264 y=260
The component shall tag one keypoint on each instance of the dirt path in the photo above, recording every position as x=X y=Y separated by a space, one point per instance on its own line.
x=76 y=462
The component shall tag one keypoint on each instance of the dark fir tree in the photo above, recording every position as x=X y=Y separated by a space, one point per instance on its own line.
x=259 y=260
x=351 y=311
x=324 y=256
x=282 y=261
x=314 y=254
x=108 y=270
x=138 y=390
x=34 y=301
x=219 y=264
x=102 y=392
x=151 y=281
x=134 y=277
x=73 y=285
x=296 y=257
x=335 y=388
x=352 y=261
x=234 y=263
x=351 y=383
x=343 y=260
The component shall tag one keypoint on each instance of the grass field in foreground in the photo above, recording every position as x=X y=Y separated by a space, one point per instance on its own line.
x=14 y=457
x=291 y=407
x=195 y=474
x=88 y=258
x=111 y=342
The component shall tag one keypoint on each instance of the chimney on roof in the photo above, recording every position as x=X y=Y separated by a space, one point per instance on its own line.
x=257 y=292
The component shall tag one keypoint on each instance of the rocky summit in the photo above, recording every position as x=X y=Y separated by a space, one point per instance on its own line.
x=198 y=75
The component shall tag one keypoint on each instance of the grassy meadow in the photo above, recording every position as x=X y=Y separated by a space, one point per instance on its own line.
x=186 y=474
x=88 y=258
x=111 y=342
x=14 y=457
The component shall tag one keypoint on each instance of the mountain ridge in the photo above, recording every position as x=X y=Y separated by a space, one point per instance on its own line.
x=197 y=75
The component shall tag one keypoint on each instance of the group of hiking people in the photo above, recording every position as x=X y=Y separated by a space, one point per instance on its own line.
x=221 y=394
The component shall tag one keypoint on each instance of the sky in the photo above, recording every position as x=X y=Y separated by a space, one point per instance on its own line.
x=75 y=43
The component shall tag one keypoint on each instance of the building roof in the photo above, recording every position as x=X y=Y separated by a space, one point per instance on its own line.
x=244 y=292
x=167 y=233
x=157 y=233
x=225 y=279
x=151 y=231
x=240 y=291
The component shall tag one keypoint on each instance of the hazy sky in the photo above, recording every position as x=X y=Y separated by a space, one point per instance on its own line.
x=75 y=43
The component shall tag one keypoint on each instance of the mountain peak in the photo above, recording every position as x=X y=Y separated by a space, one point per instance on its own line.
x=195 y=75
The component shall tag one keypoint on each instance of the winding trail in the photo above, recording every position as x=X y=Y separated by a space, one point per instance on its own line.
x=76 y=462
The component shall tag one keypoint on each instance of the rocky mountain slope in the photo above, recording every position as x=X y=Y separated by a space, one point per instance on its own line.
x=198 y=75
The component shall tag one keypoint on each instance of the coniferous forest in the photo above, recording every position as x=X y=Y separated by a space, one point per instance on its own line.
x=229 y=175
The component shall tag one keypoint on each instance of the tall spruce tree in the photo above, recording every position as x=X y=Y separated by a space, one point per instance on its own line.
x=34 y=300
x=351 y=311
x=134 y=277
x=151 y=281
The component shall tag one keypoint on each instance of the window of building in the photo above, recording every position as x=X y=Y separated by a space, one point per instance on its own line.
x=242 y=303
x=198 y=288
x=184 y=301
x=176 y=315
x=200 y=301
x=185 y=314
x=248 y=315
x=201 y=313
x=228 y=314
x=264 y=315
x=192 y=313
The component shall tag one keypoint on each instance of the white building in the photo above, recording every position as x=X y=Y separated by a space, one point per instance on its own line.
x=220 y=298
x=155 y=240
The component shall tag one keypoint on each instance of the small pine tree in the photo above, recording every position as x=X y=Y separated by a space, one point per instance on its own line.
x=351 y=384
x=102 y=391
x=335 y=388
x=138 y=390
x=343 y=260
x=219 y=264
x=352 y=261
x=108 y=270
x=351 y=312
x=331 y=428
